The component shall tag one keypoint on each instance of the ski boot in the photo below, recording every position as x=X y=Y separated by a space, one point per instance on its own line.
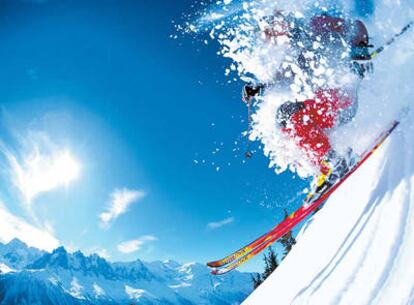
x=337 y=166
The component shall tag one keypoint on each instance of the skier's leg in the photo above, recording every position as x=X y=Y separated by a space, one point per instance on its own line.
x=308 y=124
x=307 y=127
x=297 y=120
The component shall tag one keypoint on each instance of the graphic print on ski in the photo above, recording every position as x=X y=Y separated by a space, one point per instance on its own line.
x=310 y=204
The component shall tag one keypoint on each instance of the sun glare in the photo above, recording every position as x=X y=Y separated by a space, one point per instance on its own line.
x=65 y=168
x=42 y=173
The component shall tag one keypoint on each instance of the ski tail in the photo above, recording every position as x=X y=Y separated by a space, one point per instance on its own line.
x=311 y=203
x=242 y=251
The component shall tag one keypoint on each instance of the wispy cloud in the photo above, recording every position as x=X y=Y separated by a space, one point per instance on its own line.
x=15 y=227
x=135 y=244
x=221 y=223
x=119 y=203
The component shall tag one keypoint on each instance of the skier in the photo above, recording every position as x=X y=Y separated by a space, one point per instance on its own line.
x=343 y=45
x=292 y=113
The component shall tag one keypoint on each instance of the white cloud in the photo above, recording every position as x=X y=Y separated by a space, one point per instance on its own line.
x=102 y=252
x=135 y=244
x=221 y=223
x=121 y=199
x=15 y=227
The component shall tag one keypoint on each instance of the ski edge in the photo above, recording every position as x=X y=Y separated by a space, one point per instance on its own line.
x=273 y=238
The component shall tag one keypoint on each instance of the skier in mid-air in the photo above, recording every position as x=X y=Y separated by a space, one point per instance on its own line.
x=326 y=59
x=331 y=42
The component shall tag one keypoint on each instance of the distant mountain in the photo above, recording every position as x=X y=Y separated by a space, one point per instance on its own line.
x=16 y=254
x=30 y=276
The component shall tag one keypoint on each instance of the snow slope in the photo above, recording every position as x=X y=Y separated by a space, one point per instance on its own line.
x=358 y=248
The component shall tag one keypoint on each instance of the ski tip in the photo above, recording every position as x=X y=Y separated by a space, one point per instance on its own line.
x=214 y=264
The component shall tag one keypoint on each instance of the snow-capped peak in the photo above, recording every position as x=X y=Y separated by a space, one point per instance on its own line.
x=16 y=254
x=92 y=279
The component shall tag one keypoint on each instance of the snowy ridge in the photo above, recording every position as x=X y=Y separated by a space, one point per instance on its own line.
x=60 y=277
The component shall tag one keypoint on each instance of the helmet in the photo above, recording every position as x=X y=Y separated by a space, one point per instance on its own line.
x=359 y=41
x=358 y=34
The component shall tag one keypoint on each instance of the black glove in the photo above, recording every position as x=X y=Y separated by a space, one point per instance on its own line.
x=250 y=91
x=361 y=68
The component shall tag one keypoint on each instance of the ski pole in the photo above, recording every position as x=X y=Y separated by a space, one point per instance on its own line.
x=249 y=101
x=392 y=40
x=248 y=153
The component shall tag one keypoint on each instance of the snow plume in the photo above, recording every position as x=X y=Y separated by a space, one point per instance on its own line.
x=241 y=27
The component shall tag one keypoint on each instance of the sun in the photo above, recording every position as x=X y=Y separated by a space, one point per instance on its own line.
x=65 y=168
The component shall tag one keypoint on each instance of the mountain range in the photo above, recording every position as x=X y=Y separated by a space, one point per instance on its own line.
x=29 y=276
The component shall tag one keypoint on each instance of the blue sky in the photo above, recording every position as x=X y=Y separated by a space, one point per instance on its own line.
x=148 y=119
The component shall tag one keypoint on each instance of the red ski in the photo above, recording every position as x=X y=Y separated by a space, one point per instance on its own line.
x=311 y=203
